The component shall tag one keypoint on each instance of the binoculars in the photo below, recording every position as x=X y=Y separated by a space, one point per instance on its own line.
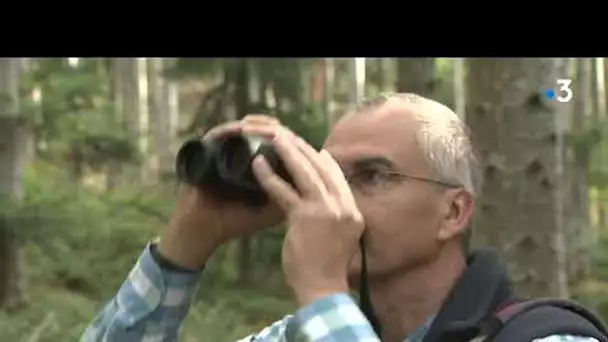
x=224 y=167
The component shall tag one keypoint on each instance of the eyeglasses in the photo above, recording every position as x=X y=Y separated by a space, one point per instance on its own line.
x=372 y=179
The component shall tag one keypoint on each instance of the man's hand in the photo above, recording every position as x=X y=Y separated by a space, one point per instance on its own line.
x=324 y=222
x=201 y=222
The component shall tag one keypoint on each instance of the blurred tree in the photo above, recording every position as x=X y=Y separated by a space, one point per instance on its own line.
x=603 y=150
x=594 y=95
x=356 y=70
x=164 y=112
x=416 y=75
x=380 y=75
x=516 y=130
x=576 y=159
x=459 y=88
x=329 y=73
x=14 y=143
x=241 y=76
x=136 y=110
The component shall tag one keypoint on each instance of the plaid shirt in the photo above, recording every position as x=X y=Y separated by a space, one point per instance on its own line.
x=152 y=304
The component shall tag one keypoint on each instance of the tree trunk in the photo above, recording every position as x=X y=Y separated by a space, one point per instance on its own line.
x=162 y=115
x=14 y=144
x=385 y=82
x=576 y=210
x=119 y=92
x=329 y=72
x=118 y=69
x=317 y=84
x=356 y=69
x=603 y=206
x=136 y=110
x=594 y=97
x=459 y=88
x=416 y=75
x=242 y=104
x=516 y=130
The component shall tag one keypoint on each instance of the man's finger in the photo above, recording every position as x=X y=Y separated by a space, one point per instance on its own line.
x=285 y=195
x=225 y=129
x=338 y=180
x=233 y=128
x=318 y=163
x=305 y=176
x=261 y=118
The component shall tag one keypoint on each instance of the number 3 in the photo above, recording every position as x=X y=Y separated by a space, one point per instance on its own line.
x=565 y=92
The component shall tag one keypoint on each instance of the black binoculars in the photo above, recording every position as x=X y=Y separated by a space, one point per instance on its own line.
x=224 y=167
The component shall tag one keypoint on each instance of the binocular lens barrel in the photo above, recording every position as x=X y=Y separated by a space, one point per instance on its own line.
x=223 y=166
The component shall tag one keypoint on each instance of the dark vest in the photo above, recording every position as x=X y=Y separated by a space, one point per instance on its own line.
x=471 y=311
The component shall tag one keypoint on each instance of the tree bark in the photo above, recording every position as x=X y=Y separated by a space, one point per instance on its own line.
x=242 y=104
x=14 y=144
x=517 y=131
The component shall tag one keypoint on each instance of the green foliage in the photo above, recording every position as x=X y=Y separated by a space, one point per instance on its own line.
x=81 y=244
x=99 y=150
x=584 y=143
x=308 y=124
x=72 y=115
x=600 y=259
x=593 y=291
x=194 y=68
x=69 y=224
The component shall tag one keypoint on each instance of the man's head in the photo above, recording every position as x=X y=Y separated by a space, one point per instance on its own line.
x=414 y=174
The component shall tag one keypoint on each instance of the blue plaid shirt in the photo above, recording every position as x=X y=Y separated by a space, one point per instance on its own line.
x=152 y=304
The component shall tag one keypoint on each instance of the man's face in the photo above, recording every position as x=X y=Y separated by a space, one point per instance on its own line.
x=403 y=216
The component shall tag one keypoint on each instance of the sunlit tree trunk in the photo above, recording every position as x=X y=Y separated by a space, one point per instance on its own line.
x=520 y=142
x=356 y=70
x=172 y=121
x=15 y=139
x=136 y=110
x=416 y=75
x=163 y=112
x=594 y=95
x=459 y=88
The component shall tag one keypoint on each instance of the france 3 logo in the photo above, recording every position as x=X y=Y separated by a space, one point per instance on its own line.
x=563 y=91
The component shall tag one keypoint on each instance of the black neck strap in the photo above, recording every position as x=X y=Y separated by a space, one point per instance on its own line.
x=365 y=302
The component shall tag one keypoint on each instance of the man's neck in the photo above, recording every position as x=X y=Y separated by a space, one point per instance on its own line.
x=405 y=301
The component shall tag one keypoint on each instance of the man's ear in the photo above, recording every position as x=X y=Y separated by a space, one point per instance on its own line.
x=457 y=209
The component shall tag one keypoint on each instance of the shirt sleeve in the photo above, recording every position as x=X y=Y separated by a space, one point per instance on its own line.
x=151 y=305
x=153 y=302
x=333 y=318
x=565 y=338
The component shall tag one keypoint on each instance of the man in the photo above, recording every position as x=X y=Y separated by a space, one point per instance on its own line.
x=399 y=170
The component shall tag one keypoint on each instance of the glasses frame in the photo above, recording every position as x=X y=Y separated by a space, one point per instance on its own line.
x=398 y=175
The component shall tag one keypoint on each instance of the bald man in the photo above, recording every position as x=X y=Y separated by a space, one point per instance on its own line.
x=398 y=170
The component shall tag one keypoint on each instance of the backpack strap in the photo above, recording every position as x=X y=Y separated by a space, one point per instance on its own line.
x=527 y=320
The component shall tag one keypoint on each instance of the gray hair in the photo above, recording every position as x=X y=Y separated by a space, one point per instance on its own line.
x=443 y=138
